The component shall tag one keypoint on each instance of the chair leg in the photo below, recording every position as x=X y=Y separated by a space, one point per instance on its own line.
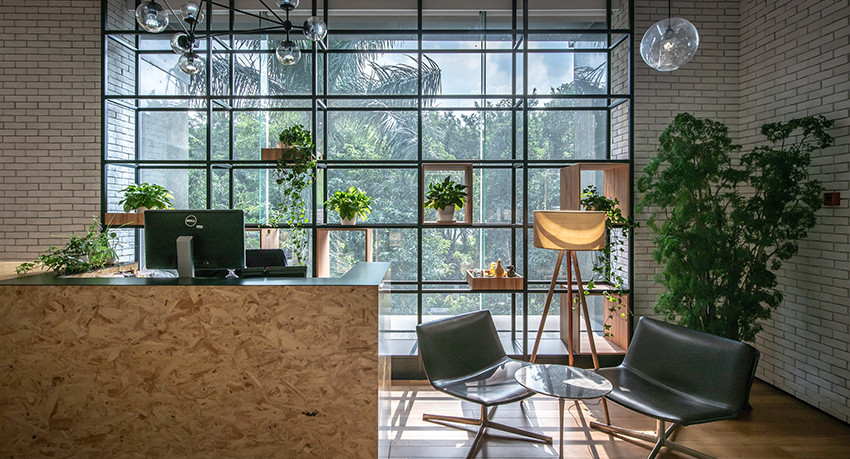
x=660 y=439
x=484 y=423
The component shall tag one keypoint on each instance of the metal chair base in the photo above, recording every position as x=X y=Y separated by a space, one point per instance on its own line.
x=660 y=439
x=484 y=422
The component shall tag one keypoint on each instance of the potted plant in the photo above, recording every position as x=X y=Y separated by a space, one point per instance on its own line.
x=350 y=205
x=296 y=140
x=725 y=229
x=445 y=197
x=85 y=253
x=145 y=196
x=295 y=172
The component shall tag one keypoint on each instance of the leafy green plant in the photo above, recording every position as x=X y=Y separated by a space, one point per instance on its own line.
x=297 y=136
x=81 y=254
x=724 y=229
x=443 y=194
x=294 y=174
x=606 y=262
x=350 y=204
x=146 y=195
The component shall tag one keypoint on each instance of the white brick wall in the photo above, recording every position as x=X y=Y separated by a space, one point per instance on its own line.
x=762 y=61
x=795 y=61
x=49 y=122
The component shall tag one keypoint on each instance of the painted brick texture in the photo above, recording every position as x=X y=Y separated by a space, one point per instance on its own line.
x=764 y=61
x=50 y=71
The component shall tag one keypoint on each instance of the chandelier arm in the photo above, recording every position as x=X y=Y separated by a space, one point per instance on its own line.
x=182 y=26
x=669 y=9
x=272 y=11
x=229 y=32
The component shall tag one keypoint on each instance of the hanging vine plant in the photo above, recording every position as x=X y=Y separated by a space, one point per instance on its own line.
x=606 y=261
x=295 y=172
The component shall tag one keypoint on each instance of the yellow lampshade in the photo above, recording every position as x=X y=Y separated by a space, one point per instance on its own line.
x=569 y=229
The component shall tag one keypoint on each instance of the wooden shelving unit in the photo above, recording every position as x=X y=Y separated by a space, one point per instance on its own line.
x=323 y=246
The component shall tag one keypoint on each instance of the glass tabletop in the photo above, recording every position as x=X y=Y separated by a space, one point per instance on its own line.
x=563 y=381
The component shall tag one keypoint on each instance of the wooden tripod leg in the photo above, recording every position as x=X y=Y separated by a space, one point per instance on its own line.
x=546 y=308
x=589 y=330
x=583 y=301
x=569 y=310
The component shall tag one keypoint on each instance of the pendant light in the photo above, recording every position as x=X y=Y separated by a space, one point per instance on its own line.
x=153 y=17
x=670 y=43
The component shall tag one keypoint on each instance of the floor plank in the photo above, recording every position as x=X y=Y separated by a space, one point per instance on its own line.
x=778 y=427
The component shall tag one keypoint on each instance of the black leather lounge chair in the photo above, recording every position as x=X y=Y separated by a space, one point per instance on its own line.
x=681 y=376
x=464 y=358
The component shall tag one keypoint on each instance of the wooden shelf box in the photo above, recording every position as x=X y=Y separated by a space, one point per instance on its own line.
x=323 y=246
x=493 y=283
x=428 y=218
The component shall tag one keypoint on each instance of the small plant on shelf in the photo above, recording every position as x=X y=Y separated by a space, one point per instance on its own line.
x=350 y=205
x=146 y=196
x=445 y=197
x=295 y=173
x=95 y=250
x=605 y=265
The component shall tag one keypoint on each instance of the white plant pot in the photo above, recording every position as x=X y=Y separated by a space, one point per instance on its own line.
x=140 y=209
x=349 y=221
x=446 y=215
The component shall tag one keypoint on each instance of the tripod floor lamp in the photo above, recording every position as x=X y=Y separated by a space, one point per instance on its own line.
x=568 y=231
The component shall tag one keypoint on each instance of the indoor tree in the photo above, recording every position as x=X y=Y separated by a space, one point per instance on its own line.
x=723 y=230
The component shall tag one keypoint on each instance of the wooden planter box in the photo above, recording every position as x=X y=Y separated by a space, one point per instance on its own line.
x=124 y=219
x=493 y=283
x=275 y=154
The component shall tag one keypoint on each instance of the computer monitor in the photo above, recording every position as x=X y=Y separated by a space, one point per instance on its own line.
x=194 y=239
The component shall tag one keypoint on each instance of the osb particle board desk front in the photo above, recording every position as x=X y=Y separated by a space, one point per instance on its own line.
x=207 y=368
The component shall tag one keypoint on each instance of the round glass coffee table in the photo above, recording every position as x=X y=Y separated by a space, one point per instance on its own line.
x=565 y=383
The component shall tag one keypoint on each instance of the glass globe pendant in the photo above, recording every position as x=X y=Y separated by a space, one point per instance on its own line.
x=315 y=29
x=190 y=63
x=191 y=13
x=152 y=17
x=669 y=44
x=288 y=53
x=287 y=5
x=180 y=43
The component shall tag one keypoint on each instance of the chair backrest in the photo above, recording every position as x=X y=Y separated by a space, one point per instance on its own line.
x=696 y=363
x=458 y=346
x=264 y=258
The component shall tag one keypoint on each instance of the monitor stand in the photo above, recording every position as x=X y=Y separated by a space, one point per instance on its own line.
x=185 y=257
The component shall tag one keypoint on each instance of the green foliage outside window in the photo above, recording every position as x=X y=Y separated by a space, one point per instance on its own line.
x=723 y=230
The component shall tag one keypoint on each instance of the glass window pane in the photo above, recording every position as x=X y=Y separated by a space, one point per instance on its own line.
x=393 y=192
x=178 y=181
x=172 y=135
x=567 y=73
x=374 y=74
x=398 y=246
x=566 y=135
x=373 y=135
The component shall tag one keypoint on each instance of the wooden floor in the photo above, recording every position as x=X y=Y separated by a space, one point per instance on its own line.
x=778 y=427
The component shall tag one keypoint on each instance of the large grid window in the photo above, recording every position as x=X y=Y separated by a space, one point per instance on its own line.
x=519 y=91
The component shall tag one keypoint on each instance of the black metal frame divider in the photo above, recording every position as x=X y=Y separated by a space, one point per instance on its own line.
x=319 y=100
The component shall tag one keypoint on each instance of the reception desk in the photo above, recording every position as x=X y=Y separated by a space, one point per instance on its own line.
x=264 y=367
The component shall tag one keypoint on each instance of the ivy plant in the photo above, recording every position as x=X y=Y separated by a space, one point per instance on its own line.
x=350 y=204
x=723 y=230
x=92 y=251
x=294 y=174
x=605 y=264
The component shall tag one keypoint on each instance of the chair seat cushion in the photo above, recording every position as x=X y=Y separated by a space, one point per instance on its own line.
x=655 y=400
x=493 y=386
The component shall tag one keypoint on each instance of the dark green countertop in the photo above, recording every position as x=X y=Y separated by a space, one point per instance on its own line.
x=363 y=273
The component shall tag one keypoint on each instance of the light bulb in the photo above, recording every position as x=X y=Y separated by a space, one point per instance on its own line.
x=190 y=63
x=315 y=29
x=181 y=43
x=288 y=53
x=152 y=17
x=191 y=13
x=669 y=44
x=287 y=5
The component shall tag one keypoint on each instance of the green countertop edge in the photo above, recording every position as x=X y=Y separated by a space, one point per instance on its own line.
x=362 y=274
